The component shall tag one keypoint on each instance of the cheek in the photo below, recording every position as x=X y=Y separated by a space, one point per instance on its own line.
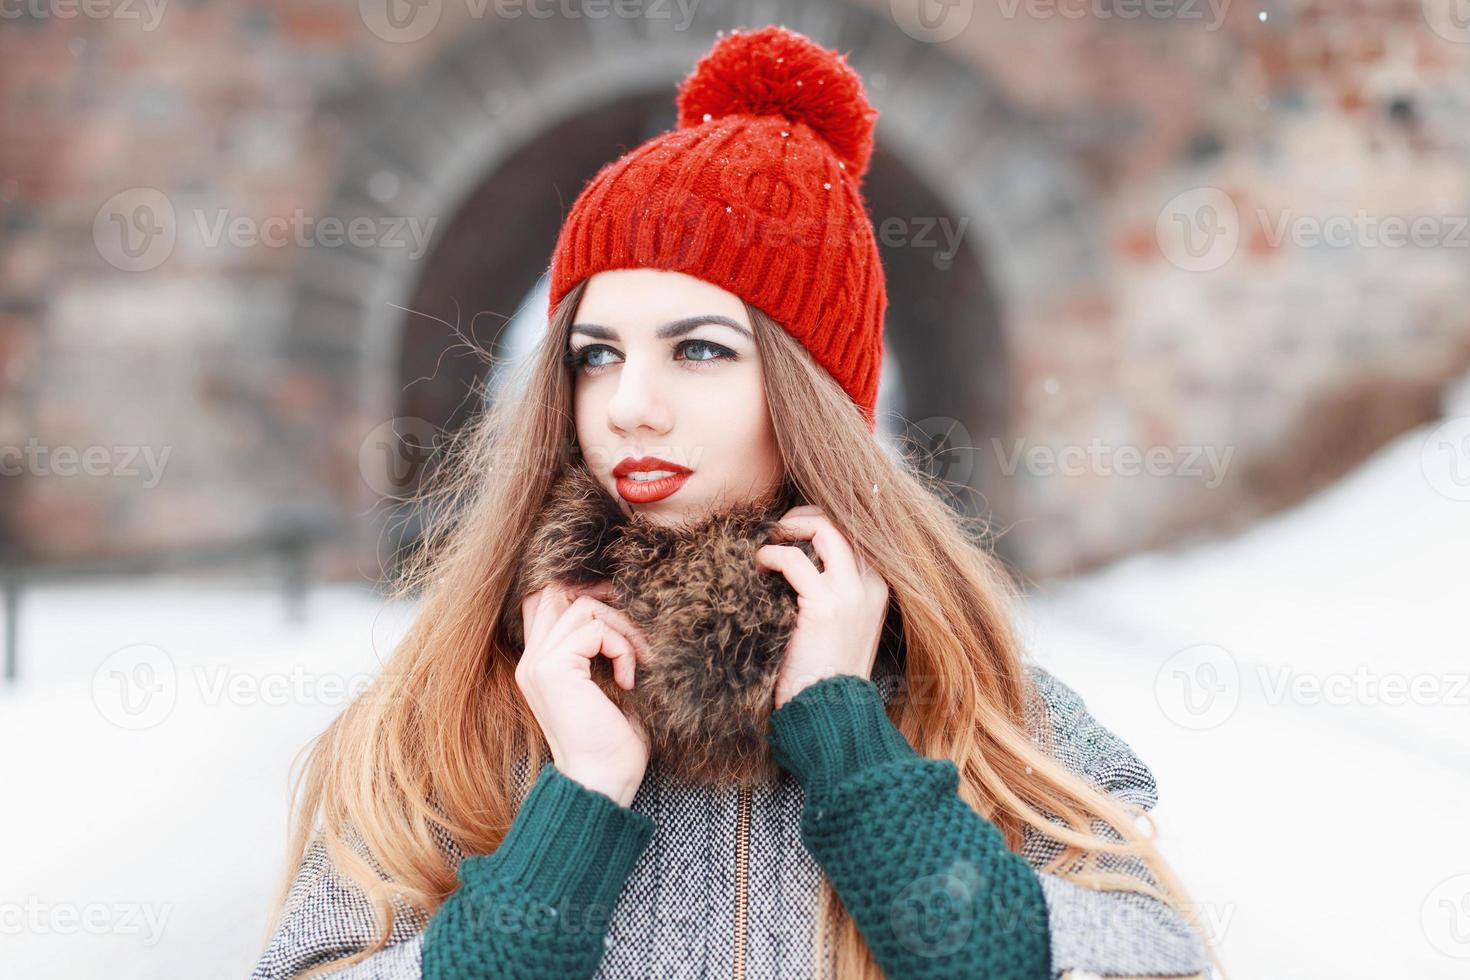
x=736 y=418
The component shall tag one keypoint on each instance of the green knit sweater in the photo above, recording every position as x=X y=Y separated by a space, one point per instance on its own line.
x=929 y=882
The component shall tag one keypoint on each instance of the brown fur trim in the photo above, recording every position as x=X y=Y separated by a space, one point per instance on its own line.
x=717 y=624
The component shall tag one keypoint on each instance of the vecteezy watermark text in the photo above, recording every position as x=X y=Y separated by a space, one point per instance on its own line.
x=33 y=916
x=137 y=229
x=35 y=459
x=1096 y=458
x=150 y=12
x=406 y=21
x=138 y=686
x=1201 y=229
x=1201 y=686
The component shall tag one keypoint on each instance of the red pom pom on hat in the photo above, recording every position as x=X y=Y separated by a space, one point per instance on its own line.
x=775 y=71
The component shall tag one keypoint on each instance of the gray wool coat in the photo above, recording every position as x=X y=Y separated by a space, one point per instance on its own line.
x=675 y=917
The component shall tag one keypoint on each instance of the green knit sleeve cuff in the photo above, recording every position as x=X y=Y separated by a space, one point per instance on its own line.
x=567 y=844
x=833 y=728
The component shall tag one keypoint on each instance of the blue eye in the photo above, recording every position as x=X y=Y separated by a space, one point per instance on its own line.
x=581 y=360
x=577 y=359
x=585 y=359
x=719 y=352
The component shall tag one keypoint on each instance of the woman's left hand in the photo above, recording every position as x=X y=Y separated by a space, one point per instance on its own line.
x=840 y=610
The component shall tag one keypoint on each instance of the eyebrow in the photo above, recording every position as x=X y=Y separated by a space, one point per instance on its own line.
x=675 y=329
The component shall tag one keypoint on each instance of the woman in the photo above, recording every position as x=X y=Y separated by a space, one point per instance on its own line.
x=487 y=809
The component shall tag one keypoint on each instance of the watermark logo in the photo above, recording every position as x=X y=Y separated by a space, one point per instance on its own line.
x=400 y=21
x=1450 y=19
x=932 y=21
x=138 y=229
x=136 y=687
x=940 y=447
x=1198 y=230
x=934 y=915
x=1198 y=687
x=135 y=229
x=1445 y=458
x=393 y=456
x=1445 y=917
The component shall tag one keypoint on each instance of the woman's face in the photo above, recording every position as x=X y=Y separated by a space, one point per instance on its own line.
x=665 y=365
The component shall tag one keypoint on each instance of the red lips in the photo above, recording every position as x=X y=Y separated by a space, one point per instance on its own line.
x=647 y=491
x=630 y=463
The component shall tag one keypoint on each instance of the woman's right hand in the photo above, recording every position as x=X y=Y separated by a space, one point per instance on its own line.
x=592 y=741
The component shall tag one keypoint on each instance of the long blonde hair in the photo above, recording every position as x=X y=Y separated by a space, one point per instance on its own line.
x=413 y=758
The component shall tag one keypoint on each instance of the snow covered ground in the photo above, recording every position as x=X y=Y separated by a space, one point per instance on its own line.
x=1299 y=692
x=1301 y=695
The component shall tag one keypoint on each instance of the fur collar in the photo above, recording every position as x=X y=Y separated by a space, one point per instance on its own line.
x=717 y=624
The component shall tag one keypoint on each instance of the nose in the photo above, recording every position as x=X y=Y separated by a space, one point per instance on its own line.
x=639 y=401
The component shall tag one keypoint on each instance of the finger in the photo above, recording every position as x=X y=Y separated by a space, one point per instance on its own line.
x=549 y=604
x=583 y=642
x=560 y=622
x=596 y=637
x=793 y=563
x=617 y=648
x=585 y=607
x=831 y=546
x=619 y=621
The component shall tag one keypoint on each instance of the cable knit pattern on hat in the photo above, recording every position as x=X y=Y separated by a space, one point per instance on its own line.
x=757 y=190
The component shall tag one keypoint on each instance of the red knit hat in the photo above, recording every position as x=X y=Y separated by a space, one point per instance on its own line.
x=757 y=191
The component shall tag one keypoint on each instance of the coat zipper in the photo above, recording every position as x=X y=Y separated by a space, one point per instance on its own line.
x=742 y=878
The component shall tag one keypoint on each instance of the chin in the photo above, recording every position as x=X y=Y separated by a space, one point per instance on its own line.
x=671 y=518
